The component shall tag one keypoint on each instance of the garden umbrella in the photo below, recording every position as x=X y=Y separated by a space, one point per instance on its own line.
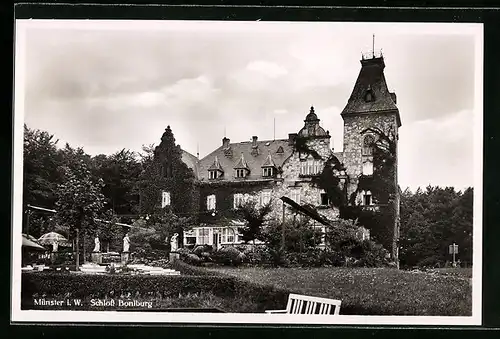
x=30 y=244
x=50 y=238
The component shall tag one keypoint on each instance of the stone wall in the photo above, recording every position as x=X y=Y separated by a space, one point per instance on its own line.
x=353 y=140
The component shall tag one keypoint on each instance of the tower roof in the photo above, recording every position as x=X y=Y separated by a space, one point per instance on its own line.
x=311 y=126
x=370 y=93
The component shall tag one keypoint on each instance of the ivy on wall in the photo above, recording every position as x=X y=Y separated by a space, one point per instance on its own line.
x=381 y=184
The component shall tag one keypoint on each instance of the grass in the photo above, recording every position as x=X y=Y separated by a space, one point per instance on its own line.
x=370 y=291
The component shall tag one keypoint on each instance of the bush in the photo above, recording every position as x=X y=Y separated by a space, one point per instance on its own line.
x=229 y=256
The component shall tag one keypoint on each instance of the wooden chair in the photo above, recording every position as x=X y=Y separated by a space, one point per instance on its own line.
x=302 y=304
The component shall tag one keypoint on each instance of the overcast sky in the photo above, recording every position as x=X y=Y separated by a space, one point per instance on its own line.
x=107 y=86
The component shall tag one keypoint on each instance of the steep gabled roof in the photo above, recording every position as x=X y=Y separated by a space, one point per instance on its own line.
x=216 y=165
x=269 y=161
x=242 y=164
x=229 y=160
x=370 y=93
x=191 y=161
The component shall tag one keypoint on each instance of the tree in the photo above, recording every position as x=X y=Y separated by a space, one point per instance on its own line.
x=119 y=172
x=156 y=229
x=433 y=219
x=41 y=161
x=79 y=198
x=255 y=217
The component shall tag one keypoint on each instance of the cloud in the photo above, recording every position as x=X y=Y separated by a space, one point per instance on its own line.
x=437 y=152
x=280 y=111
x=267 y=68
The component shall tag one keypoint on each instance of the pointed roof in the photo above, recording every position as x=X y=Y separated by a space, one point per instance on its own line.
x=269 y=161
x=242 y=164
x=216 y=165
x=311 y=126
x=370 y=93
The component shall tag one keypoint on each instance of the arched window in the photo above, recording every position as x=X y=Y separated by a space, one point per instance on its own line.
x=368 y=144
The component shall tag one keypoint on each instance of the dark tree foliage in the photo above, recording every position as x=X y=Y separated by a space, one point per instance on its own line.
x=119 y=172
x=255 y=217
x=41 y=168
x=431 y=220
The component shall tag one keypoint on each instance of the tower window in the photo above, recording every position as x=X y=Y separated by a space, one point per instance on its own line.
x=368 y=143
x=368 y=168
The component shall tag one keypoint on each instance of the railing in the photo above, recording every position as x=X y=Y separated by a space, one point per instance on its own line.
x=372 y=55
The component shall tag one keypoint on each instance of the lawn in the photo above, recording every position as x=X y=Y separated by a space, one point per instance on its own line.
x=373 y=291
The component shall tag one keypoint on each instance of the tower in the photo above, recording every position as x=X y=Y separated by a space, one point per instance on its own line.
x=369 y=116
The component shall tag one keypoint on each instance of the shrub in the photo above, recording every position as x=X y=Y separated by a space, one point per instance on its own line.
x=229 y=256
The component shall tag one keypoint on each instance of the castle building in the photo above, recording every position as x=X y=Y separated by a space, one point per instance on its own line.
x=269 y=170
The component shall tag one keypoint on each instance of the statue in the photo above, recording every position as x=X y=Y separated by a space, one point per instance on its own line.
x=173 y=242
x=55 y=245
x=97 y=247
x=126 y=243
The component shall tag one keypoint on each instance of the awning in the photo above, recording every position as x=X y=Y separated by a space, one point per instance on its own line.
x=306 y=210
x=30 y=244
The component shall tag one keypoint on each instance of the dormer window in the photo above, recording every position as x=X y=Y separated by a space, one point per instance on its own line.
x=215 y=171
x=369 y=97
x=241 y=173
x=267 y=171
x=213 y=174
x=280 y=150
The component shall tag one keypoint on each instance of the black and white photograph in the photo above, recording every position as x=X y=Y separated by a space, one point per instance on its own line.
x=263 y=172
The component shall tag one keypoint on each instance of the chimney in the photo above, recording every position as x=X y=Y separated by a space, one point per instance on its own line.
x=254 y=141
x=291 y=138
x=225 y=142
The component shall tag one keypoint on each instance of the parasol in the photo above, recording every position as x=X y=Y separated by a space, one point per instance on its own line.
x=30 y=244
x=50 y=238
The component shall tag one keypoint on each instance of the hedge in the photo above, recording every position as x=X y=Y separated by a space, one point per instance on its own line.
x=36 y=285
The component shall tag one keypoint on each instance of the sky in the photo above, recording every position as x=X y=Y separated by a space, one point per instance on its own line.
x=105 y=86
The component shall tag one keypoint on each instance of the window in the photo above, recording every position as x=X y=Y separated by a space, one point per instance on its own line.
x=165 y=199
x=211 y=202
x=368 y=143
x=367 y=198
x=280 y=150
x=238 y=201
x=267 y=172
x=230 y=235
x=324 y=199
x=240 y=173
x=203 y=236
x=295 y=195
x=368 y=168
x=227 y=235
x=311 y=167
x=212 y=174
x=265 y=197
